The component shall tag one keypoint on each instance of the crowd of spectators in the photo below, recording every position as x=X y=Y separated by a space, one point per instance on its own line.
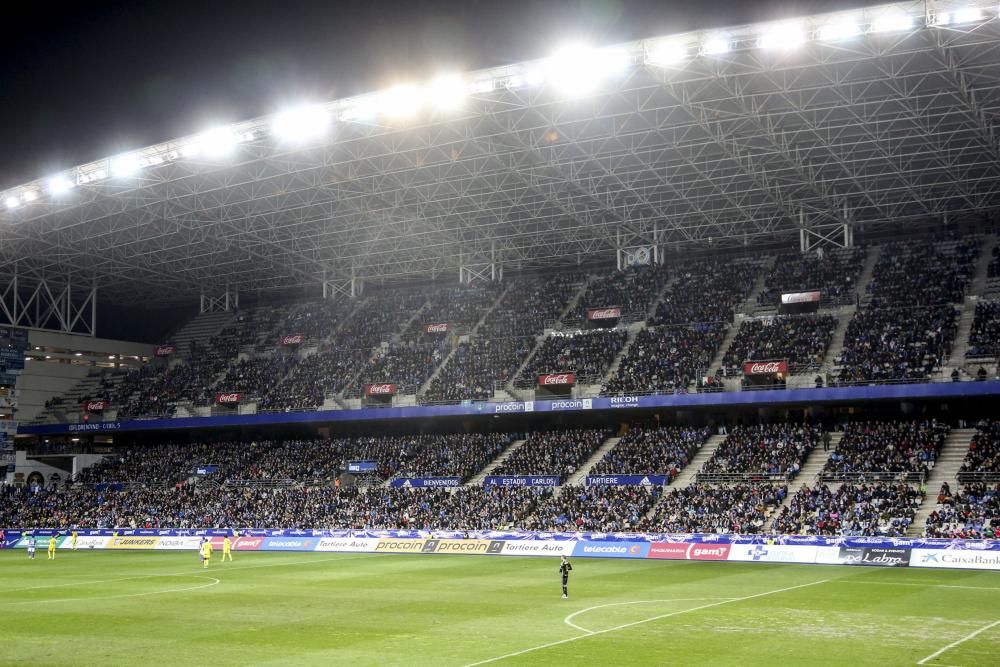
x=854 y=509
x=407 y=364
x=801 y=340
x=984 y=336
x=984 y=448
x=588 y=354
x=667 y=358
x=652 y=450
x=887 y=448
x=459 y=306
x=833 y=273
x=553 y=452
x=706 y=292
x=920 y=273
x=529 y=303
x=633 y=290
x=771 y=449
x=896 y=344
x=256 y=376
x=973 y=513
x=593 y=508
x=698 y=508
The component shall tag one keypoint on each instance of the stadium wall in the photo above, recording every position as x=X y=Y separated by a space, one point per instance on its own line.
x=803 y=549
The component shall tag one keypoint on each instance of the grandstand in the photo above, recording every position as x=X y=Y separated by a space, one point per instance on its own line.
x=741 y=292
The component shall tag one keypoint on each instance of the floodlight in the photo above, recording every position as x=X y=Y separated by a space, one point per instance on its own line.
x=125 y=165
x=447 y=91
x=400 y=101
x=716 y=44
x=481 y=87
x=13 y=202
x=217 y=142
x=301 y=123
x=577 y=69
x=783 y=37
x=30 y=195
x=59 y=184
x=892 y=21
x=666 y=52
x=836 y=32
x=968 y=15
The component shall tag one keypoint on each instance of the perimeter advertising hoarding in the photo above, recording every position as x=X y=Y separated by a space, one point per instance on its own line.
x=963 y=559
x=521 y=480
x=346 y=544
x=537 y=548
x=773 y=553
x=611 y=549
x=863 y=555
x=425 y=482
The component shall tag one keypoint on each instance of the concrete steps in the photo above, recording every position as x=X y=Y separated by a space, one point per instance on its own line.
x=633 y=332
x=690 y=471
x=749 y=305
x=836 y=349
x=720 y=354
x=867 y=271
x=949 y=460
x=200 y=329
x=477 y=480
x=811 y=468
x=580 y=476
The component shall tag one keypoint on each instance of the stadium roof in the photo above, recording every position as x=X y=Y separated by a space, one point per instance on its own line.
x=725 y=137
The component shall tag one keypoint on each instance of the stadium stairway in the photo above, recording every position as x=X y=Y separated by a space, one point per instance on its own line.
x=200 y=329
x=69 y=406
x=477 y=479
x=580 y=476
x=949 y=460
x=867 y=271
x=633 y=331
x=749 y=305
x=720 y=354
x=690 y=471
x=811 y=468
x=967 y=312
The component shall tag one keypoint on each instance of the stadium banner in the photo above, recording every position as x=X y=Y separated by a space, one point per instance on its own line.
x=228 y=398
x=399 y=546
x=959 y=559
x=626 y=480
x=361 y=466
x=206 y=469
x=165 y=350
x=595 y=549
x=668 y=550
x=536 y=548
x=346 y=544
x=521 y=480
x=556 y=379
x=519 y=406
x=467 y=547
x=799 y=297
x=292 y=339
x=242 y=543
x=188 y=543
x=863 y=555
x=623 y=402
x=134 y=542
x=604 y=313
x=765 y=367
x=289 y=544
x=437 y=327
x=98 y=405
x=380 y=389
x=773 y=553
x=425 y=482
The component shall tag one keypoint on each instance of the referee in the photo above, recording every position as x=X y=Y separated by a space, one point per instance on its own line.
x=564 y=569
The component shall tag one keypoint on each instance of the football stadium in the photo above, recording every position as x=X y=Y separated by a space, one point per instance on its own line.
x=676 y=351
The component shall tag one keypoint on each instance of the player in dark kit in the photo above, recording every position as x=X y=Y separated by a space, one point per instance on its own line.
x=564 y=570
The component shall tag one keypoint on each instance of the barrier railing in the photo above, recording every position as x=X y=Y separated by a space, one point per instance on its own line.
x=910 y=477
x=741 y=477
x=974 y=477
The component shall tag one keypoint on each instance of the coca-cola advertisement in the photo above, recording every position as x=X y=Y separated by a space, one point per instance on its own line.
x=439 y=327
x=165 y=350
x=97 y=405
x=228 y=398
x=556 y=379
x=292 y=339
x=765 y=367
x=793 y=303
x=604 y=313
x=380 y=389
x=800 y=297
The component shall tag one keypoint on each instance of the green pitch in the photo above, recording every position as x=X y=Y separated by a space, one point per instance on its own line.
x=161 y=608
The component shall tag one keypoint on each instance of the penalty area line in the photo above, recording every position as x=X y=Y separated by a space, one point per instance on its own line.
x=645 y=620
x=964 y=639
x=569 y=619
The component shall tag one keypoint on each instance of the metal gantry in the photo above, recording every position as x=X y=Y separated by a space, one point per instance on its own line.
x=743 y=148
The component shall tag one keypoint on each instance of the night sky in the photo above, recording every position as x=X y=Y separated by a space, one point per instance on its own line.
x=95 y=79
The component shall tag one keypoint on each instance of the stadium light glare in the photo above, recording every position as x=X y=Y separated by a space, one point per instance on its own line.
x=716 y=45
x=400 y=101
x=59 y=185
x=892 y=21
x=481 y=87
x=447 y=92
x=124 y=166
x=218 y=142
x=666 y=52
x=30 y=195
x=838 y=32
x=782 y=38
x=13 y=202
x=577 y=69
x=969 y=15
x=301 y=123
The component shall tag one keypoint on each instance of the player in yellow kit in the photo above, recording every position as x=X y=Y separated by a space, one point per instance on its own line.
x=206 y=552
x=52 y=547
x=227 y=549
x=73 y=536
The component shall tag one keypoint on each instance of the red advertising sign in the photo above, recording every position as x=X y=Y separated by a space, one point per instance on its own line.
x=709 y=551
x=440 y=327
x=800 y=297
x=550 y=379
x=165 y=350
x=228 y=398
x=249 y=543
x=603 y=313
x=382 y=389
x=99 y=405
x=668 y=550
x=295 y=339
x=765 y=367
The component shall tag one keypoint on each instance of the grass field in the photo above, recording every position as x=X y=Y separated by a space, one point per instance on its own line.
x=161 y=608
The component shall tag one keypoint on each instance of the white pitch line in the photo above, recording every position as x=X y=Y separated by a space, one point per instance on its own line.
x=568 y=620
x=960 y=641
x=645 y=620
x=177 y=574
x=213 y=582
x=910 y=583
